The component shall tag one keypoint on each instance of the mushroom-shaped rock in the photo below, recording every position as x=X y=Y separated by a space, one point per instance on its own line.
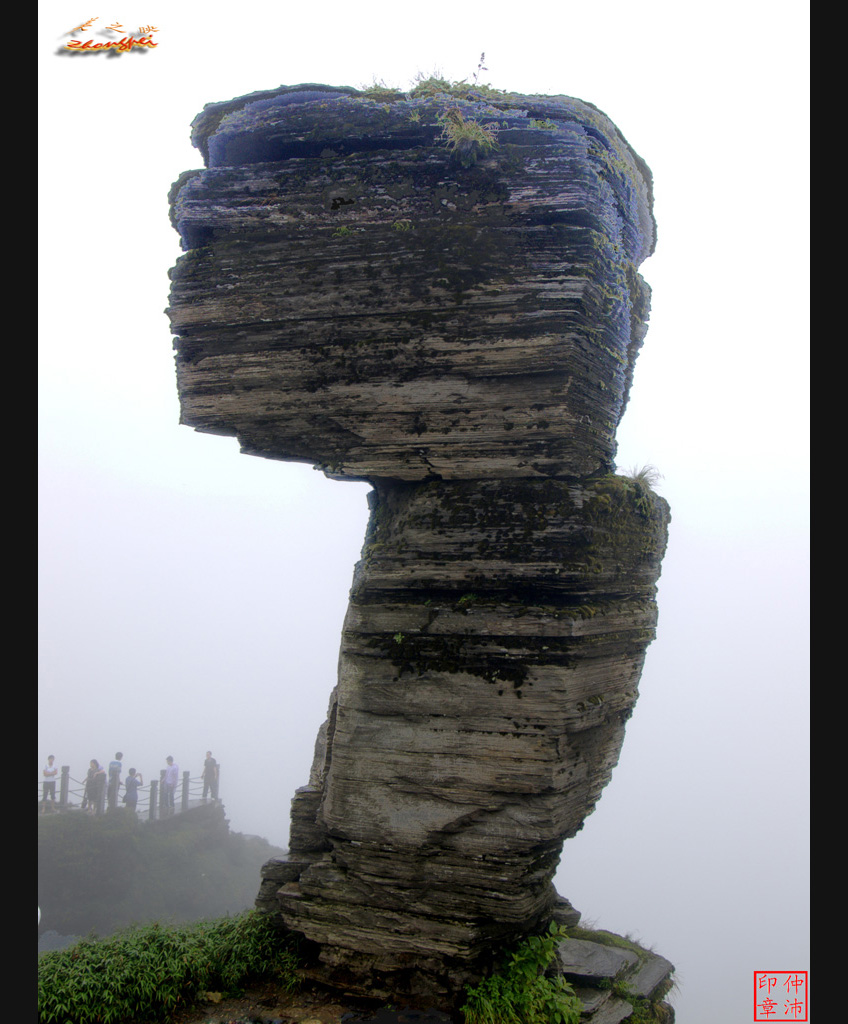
x=438 y=293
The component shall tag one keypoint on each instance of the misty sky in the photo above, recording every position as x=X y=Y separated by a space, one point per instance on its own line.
x=192 y=597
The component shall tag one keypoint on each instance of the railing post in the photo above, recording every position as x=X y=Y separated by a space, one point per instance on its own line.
x=184 y=801
x=154 y=793
x=163 y=807
x=112 y=784
x=63 y=787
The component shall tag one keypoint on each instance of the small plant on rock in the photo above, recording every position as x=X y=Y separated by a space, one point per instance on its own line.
x=480 y=67
x=646 y=476
x=430 y=86
x=380 y=91
x=467 y=137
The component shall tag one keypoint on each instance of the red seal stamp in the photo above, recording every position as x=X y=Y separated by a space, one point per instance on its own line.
x=780 y=996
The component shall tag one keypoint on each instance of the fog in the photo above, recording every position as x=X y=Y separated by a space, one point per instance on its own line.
x=191 y=598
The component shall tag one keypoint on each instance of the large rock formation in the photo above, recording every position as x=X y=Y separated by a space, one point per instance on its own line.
x=438 y=293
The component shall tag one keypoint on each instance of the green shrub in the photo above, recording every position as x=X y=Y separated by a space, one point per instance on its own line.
x=520 y=993
x=149 y=973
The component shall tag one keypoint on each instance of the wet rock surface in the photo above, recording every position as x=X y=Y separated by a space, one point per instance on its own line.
x=457 y=325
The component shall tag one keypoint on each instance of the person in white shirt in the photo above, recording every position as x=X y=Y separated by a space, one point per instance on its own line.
x=49 y=772
x=169 y=784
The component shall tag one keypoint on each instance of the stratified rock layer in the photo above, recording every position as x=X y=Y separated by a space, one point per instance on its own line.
x=458 y=325
x=490 y=659
x=353 y=296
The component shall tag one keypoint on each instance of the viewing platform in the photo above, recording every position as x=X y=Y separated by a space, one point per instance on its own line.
x=151 y=806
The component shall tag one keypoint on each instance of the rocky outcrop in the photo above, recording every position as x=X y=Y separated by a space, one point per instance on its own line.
x=613 y=976
x=437 y=293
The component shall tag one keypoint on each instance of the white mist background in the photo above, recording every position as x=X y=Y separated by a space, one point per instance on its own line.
x=191 y=598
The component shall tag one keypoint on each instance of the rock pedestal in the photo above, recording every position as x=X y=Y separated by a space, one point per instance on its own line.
x=438 y=293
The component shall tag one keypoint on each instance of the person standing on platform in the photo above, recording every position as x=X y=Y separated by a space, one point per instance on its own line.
x=210 y=776
x=49 y=774
x=95 y=784
x=169 y=784
x=132 y=785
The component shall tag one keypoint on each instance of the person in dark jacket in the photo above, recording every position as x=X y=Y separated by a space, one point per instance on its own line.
x=210 y=776
x=133 y=783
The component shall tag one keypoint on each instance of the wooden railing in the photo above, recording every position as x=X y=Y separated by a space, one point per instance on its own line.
x=153 y=805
